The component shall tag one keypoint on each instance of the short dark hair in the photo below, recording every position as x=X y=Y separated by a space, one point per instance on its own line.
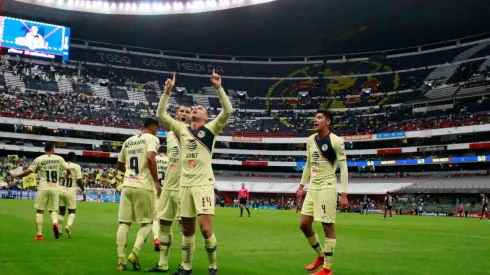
x=205 y=108
x=150 y=122
x=326 y=113
x=71 y=157
x=162 y=149
x=49 y=146
x=182 y=105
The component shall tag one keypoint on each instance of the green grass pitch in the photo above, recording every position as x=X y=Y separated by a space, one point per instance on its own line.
x=268 y=243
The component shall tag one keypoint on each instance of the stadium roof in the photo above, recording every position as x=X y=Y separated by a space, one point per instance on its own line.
x=285 y=27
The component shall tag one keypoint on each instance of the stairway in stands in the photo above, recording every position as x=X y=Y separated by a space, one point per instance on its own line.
x=136 y=95
x=65 y=86
x=445 y=72
x=442 y=92
x=201 y=100
x=13 y=80
x=100 y=91
x=485 y=64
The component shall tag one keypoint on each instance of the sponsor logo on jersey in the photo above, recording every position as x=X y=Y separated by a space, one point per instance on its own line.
x=192 y=145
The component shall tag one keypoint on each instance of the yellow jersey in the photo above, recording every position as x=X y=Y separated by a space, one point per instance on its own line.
x=162 y=164
x=49 y=168
x=172 y=176
x=70 y=185
x=134 y=155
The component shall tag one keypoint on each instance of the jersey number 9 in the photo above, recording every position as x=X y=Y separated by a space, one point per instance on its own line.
x=133 y=164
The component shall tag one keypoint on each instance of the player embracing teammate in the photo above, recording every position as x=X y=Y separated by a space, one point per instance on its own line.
x=324 y=150
x=197 y=197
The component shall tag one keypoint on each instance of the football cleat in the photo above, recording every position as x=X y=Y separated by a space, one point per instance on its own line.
x=133 y=259
x=121 y=266
x=158 y=268
x=180 y=271
x=56 y=231
x=213 y=271
x=316 y=264
x=156 y=245
x=323 y=271
x=68 y=231
x=38 y=238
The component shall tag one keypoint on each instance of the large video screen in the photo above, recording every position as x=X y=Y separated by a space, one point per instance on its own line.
x=34 y=38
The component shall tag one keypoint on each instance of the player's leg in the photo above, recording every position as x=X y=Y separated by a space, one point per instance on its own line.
x=71 y=203
x=386 y=212
x=188 y=215
x=306 y=226
x=391 y=212
x=40 y=205
x=482 y=214
x=144 y=208
x=325 y=212
x=53 y=207
x=125 y=217
x=241 y=209
x=246 y=208
x=155 y=227
x=166 y=213
x=204 y=200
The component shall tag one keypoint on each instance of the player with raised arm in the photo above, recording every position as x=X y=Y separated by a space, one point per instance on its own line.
x=324 y=150
x=68 y=193
x=168 y=203
x=388 y=205
x=244 y=198
x=197 y=195
x=137 y=204
x=484 y=206
x=48 y=167
x=162 y=164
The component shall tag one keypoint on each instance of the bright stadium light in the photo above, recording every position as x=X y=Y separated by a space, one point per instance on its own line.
x=178 y=6
x=134 y=7
x=167 y=6
x=224 y=3
x=211 y=3
x=113 y=6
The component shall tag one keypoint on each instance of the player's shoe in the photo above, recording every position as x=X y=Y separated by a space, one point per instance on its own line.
x=56 y=231
x=156 y=245
x=133 y=259
x=180 y=271
x=121 y=266
x=38 y=238
x=316 y=264
x=323 y=271
x=158 y=268
x=68 y=231
x=213 y=271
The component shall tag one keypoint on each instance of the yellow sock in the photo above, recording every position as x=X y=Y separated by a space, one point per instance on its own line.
x=211 y=247
x=188 y=247
x=315 y=244
x=39 y=223
x=71 y=219
x=165 y=239
x=61 y=219
x=122 y=240
x=54 y=217
x=328 y=252
x=141 y=237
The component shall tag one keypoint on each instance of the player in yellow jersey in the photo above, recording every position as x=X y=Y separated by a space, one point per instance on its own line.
x=68 y=193
x=137 y=203
x=162 y=163
x=197 y=181
x=324 y=150
x=169 y=200
x=49 y=167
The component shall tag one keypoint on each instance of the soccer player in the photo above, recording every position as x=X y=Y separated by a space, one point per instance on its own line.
x=484 y=206
x=48 y=166
x=324 y=150
x=197 y=197
x=169 y=200
x=162 y=163
x=137 y=203
x=365 y=205
x=243 y=197
x=68 y=193
x=388 y=205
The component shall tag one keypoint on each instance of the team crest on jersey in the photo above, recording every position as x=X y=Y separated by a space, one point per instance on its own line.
x=201 y=134
x=324 y=147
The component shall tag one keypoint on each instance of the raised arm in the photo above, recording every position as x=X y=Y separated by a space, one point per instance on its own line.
x=162 y=114
x=226 y=108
